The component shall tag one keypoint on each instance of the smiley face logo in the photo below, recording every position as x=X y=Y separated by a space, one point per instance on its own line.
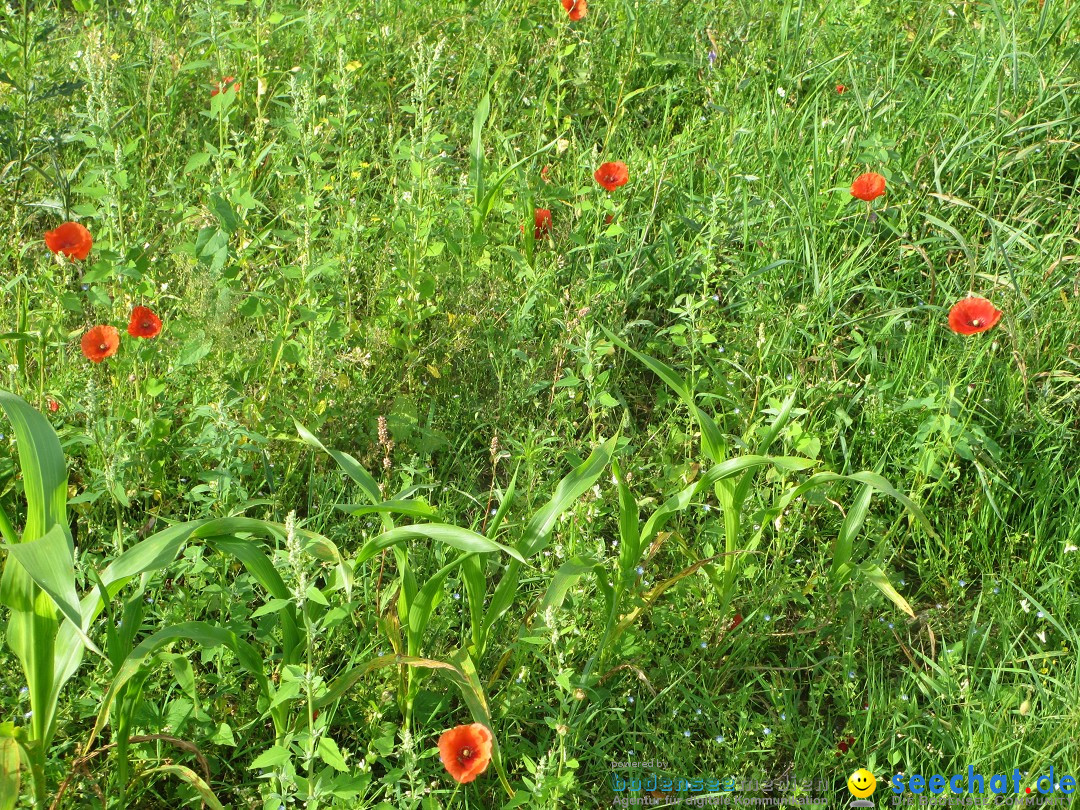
x=862 y=783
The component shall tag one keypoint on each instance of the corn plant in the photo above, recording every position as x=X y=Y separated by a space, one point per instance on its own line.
x=48 y=627
x=416 y=602
x=732 y=492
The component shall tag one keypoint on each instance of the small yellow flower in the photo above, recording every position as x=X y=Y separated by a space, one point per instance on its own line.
x=114 y=56
x=353 y=65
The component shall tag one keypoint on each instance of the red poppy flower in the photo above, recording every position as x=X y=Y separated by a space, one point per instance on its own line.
x=840 y=89
x=544 y=174
x=542 y=221
x=868 y=186
x=575 y=8
x=144 y=323
x=609 y=219
x=735 y=622
x=969 y=316
x=71 y=239
x=100 y=342
x=465 y=751
x=612 y=175
x=52 y=404
x=225 y=84
x=844 y=745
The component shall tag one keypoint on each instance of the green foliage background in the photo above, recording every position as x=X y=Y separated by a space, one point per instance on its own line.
x=316 y=242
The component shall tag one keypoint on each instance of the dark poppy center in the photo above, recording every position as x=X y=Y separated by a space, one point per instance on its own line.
x=465 y=755
x=147 y=325
x=974 y=321
x=103 y=347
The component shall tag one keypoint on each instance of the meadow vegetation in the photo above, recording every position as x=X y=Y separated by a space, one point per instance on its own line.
x=438 y=424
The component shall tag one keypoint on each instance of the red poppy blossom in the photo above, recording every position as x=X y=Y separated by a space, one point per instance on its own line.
x=735 y=622
x=544 y=174
x=612 y=175
x=609 y=219
x=71 y=239
x=225 y=84
x=144 y=323
x=840 y=89
x=465 y=751
x=844 y=745
x=542 y=221
x=100 y=342
x=52 y=404
x=575 y=8
x=969 y=316
x=868 y=186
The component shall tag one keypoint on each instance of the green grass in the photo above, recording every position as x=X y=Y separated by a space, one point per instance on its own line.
x=311 y=242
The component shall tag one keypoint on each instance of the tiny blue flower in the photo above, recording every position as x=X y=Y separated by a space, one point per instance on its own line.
x=997 y=590
x=783 y=715
x=457 y=595
x=698 y=712
x=1040 y=614
x=704 y=645
x=851 y=675
x=629 y=698
x=24 y=690
x=766 y=731
x=686 y=733
x=719 y=738
x=962 y=583
x=768 y=617
x=640 y=570
x=891 y=625
x=881 y=618
x=902 y=581
x=903 y=697
x=28 y=715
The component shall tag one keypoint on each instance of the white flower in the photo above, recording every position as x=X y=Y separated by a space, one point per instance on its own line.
x=1025 y=605
x=780 y=91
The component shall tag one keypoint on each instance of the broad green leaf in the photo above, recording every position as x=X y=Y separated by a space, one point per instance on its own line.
x=424 y=602
x=629 y=526
x=712 y=440
x=32 y=625
x=850 y=529
x=201 y=633
x=564 y=579
x=880 y=581
x=44 y=470
x=454 y=536
x=414 y=507
x=331 y=754
x=9 y=767
x=50 y=562
x=187 y=775
x=476 y=148
x=273 y=757
x=349 y=465
x=570 y=488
